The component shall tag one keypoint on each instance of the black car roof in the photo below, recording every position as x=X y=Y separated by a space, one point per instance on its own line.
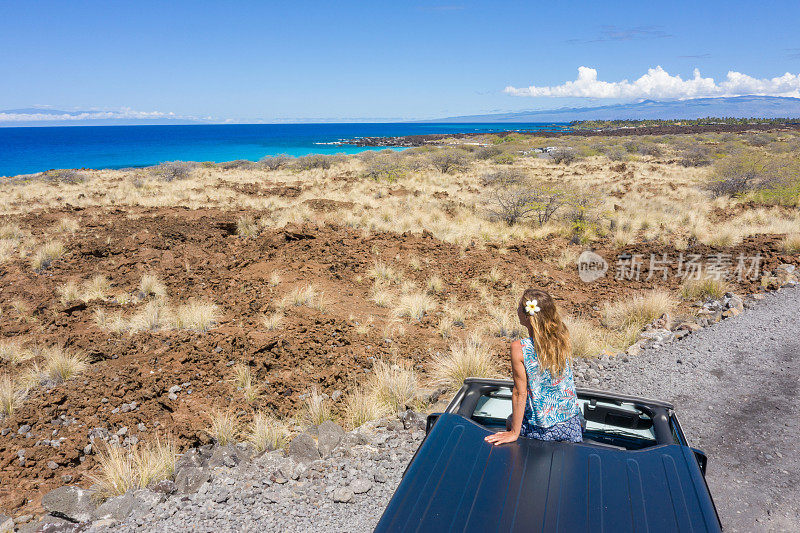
x=458 y=482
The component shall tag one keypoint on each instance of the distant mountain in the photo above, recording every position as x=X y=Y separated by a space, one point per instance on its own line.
x=738 y=106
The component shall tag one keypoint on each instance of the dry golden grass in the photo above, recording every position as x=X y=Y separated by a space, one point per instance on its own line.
x=305 y=295
x=11 y=395
x=393 y=385
x=272 y=321
x=151 y=286
x=243 y=381
x=382 y=297
x=435 y=284
x=96 y=288
x=247 y=227
x=587 y=339
x=66 y=225
x=274 y=278
x=457 y=313
x=467 y=358
x=62 y=365
x=225 y=429
x=13 y=353
x=414 y=305
x=267 y=433
x=381 y=271
x=68 y=292
x=791 y=243
x=494 y=275
x=503 y=322
x=197 y=315
x=362 y=407
x=10 y=231
x=46 y=254
x=151 y=317
x=704 y=288
x=445 y=326
x=114 y=322
x=316 y=409
x=638 y=311
x=124 y=469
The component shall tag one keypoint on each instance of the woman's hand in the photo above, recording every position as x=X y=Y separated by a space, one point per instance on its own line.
x=502 y=437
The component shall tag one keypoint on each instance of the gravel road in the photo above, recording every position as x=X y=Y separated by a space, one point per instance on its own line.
x=735 y=388
x=734 y=385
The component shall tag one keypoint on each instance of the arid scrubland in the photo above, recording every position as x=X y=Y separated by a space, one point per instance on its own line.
x=192 y=302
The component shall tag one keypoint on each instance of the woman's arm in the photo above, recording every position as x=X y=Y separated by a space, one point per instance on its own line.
x=518 y=398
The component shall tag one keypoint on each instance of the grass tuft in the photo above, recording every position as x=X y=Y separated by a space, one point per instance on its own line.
x=44 y=256
x=703 y=289
x=362 y=407
x=414 y=305
x=243 y=381
x=247 y=227
x=151 y=317
x=637 y=312
x=11 y=395
x=393 y=386
x=151 y=286
x=124 y=469
x=96 y=288
x=197 y=315
x=315 y=409
x=69 y=292
x=791 y=243
x=467 y=358
x=587 y=339
x=306 y=295
x=273 y=321
x=224 y=428
x=62 y=365
x=267 y=433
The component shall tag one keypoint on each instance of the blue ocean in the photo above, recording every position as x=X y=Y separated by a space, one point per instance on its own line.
x=29 y=150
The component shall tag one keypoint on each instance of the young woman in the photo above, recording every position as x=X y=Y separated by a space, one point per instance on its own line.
x=544 y=402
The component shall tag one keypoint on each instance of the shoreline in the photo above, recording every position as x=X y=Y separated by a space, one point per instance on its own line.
x=411 y=141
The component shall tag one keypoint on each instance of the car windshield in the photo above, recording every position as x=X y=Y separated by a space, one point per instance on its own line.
x=616 y=423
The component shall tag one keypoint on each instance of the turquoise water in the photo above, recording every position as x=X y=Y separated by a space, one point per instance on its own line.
x=29 y=150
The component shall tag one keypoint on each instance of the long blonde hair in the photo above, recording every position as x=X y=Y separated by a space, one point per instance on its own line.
x=550 y=334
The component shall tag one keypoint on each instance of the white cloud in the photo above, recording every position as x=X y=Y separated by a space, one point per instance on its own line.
x=47 y=115
x=658 y=83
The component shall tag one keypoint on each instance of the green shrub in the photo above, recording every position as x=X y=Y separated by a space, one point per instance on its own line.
x=385 y=167
x=275 y=162
x=67 y=175
x=488 y=152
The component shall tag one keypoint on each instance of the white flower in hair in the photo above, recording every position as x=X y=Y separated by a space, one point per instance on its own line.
x=532 y=307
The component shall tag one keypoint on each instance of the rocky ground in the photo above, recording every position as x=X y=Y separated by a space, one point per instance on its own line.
x=732 y=383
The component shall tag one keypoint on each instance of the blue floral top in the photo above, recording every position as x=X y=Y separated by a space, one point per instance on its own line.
x=550 y=402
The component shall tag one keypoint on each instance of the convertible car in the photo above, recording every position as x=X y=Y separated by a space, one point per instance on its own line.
x=634 y=471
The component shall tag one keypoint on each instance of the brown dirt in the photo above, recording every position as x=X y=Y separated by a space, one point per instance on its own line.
x=197 y=254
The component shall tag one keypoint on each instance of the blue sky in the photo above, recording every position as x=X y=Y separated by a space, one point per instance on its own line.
x=249 y=61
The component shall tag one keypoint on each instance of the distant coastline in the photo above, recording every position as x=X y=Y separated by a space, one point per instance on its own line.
x=410 y=141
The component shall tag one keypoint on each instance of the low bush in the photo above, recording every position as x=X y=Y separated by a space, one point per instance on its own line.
x=512 y=199
x=316 y=161
x=173 y=170
x=243 y=164
x=488 y=152
x=563 y=156
x=68 y=176
x=386 y=167
x=695 y=156
x=275 y=162
x=448 y=161
x=744 y=172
